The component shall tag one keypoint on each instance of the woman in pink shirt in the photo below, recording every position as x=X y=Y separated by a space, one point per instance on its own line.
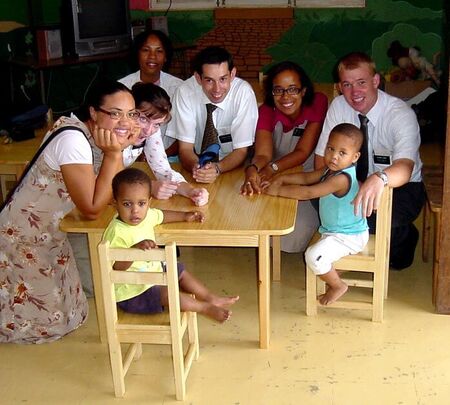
x=288 y=128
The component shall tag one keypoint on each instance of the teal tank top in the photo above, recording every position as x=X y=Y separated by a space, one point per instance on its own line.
x=336 y=213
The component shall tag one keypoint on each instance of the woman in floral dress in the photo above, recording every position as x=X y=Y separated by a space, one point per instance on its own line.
x=41 y=298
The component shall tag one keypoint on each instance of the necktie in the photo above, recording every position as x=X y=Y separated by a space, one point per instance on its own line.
x=210 y=135
x=363 y=162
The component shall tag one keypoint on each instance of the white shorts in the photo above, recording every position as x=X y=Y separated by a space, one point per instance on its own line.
x=331 y=247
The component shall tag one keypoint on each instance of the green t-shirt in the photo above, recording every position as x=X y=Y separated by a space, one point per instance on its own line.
x=121 y=235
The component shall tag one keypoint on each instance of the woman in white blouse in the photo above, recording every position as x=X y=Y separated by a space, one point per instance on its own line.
x=154 y=104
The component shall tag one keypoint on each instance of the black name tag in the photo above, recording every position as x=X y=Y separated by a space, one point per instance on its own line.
x=225 y=138
x=298 y=132
x=381 y=160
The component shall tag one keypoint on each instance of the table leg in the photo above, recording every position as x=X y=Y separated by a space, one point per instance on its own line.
x=94 y=239
x=264 y=291
x=276 y=258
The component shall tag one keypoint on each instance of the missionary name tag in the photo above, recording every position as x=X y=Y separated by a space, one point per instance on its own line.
x=225 y=138
x=298 y=132
x=382 y=159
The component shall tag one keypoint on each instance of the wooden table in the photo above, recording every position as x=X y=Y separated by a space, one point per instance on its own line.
x=231 y=220
x=14 y=157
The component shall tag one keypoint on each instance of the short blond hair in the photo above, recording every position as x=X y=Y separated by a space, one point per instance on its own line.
x=354 y=60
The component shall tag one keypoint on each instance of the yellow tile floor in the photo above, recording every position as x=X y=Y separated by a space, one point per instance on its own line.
x=337 y=358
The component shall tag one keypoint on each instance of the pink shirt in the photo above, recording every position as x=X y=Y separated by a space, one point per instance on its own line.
x=268 y=116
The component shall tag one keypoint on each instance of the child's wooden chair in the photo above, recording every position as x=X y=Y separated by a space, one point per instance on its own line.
x=373 y=259
x=154 y=329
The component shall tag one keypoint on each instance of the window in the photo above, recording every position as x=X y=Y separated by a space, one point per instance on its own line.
x=211 y=4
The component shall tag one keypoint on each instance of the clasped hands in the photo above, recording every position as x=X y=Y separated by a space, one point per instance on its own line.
x=205 y=174
x=254 y=180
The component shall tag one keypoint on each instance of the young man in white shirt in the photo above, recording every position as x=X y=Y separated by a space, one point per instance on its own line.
x=234 y=114
x=393 y=159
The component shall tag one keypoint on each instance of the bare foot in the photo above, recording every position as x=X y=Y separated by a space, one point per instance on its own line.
x=333 y=294
x=217 y=313
x=223 y=302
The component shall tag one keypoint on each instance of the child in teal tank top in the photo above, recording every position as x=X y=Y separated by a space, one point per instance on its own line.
x=336 y=186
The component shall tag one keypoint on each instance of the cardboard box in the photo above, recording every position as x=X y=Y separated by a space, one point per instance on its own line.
x=407 y=89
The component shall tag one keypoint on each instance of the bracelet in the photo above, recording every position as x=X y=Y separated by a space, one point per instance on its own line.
x=218 y=171
x=252 y=165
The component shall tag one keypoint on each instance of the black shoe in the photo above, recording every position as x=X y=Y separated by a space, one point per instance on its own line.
x=405 y=255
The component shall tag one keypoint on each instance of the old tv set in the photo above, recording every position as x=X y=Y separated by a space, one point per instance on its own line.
x=91 y=27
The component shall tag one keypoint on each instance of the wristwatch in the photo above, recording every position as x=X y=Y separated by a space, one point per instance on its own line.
x=383 y=176
x=274 y=166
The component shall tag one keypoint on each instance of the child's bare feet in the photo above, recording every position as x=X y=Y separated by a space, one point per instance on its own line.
x=217 y=313
x=223 y=302
x=333 y=294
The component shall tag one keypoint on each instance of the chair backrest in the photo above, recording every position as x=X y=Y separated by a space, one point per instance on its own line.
x=110 y=277
x=383 y=226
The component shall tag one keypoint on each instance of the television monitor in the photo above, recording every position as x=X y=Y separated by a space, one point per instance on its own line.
x=92 y=27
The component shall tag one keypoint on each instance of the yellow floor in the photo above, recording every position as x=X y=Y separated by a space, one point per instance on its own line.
x=338 y=357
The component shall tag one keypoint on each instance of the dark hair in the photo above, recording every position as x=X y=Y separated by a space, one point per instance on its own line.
x=282 y=67
x=156 y=96
x=130 y=175
x=212 y=55
x=350 y=131
x=397 y=51
x=95 y=96
x=141 y=39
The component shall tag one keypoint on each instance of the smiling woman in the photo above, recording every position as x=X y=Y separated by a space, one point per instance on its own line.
x=41 y=298
x=152 y=52
x=289 y=125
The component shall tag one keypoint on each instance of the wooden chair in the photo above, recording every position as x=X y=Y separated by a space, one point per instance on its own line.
x=373 y=259
x=433 y=179
x=154 y=329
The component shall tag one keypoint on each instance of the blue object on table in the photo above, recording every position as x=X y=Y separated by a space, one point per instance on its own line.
x=210 y=154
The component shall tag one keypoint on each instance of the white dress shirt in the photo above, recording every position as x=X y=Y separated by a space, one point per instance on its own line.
x=393 y=132
x=235 y=118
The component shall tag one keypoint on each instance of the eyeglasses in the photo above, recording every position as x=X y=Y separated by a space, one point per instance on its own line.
x=292 y=91
x=148 y=119
x=117 y=115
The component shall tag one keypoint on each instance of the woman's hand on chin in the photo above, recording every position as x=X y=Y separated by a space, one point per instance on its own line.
x=106 y=140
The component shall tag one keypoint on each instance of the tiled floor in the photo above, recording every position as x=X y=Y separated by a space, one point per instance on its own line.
x=338 y=357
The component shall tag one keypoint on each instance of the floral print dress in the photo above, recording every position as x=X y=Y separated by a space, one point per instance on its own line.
x=41 y=298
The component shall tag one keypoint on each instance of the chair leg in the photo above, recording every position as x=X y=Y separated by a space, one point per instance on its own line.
x=436 y=253
x=193 y=333
x=378 y=294
x=138 y=353
x=426 y=227
x=118 y=374
x=311 y=293
x=178 y=367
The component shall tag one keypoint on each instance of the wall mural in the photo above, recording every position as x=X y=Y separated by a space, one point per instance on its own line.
x=318 y=39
